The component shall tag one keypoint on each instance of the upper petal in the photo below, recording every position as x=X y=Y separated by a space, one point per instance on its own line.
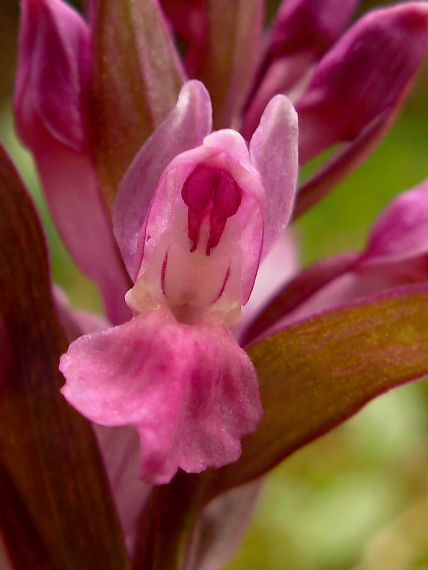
x=273 y=152
x=166 y=224
x=184 y=128
x=190 y=390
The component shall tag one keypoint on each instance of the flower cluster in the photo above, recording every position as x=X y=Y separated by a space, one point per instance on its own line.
x=171 y=179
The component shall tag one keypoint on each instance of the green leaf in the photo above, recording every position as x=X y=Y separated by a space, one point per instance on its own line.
x=313 y=376
x=230 y=55
x=56 y=508
x=135 y=82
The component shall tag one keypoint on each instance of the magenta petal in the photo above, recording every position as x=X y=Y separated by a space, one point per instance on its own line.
x=362 y=76
x=273 y=151
x=190 y=390
x=302 y=32
x=185 y=128
x=401 y=231
x=52 y=68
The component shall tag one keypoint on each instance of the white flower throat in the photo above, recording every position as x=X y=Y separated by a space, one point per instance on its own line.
x=195 y=267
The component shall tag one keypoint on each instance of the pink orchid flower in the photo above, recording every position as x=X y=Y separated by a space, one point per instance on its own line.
x=193 y=217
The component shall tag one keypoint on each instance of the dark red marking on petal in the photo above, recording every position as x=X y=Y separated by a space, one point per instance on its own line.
x=163 y=272
x=211 y=192
x=223 y=287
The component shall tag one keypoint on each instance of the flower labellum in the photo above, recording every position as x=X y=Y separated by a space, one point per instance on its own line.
x=193 y=217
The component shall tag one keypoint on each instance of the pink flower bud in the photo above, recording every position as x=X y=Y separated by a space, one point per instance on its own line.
x=302 y=32
x=50 y=111
x=362 y=77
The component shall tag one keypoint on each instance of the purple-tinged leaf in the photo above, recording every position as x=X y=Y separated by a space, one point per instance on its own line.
x=51 y=471
x=317 y=373
x=5 y=350
x=136 y=77
x=230 y=55
x=185 y=127
x=5 y=562
x=24 y=547
x=363 y=76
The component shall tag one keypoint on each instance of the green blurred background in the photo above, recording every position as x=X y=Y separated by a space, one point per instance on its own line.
x=358 y=497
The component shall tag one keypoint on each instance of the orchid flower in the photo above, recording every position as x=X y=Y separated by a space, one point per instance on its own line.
x=193 y=216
